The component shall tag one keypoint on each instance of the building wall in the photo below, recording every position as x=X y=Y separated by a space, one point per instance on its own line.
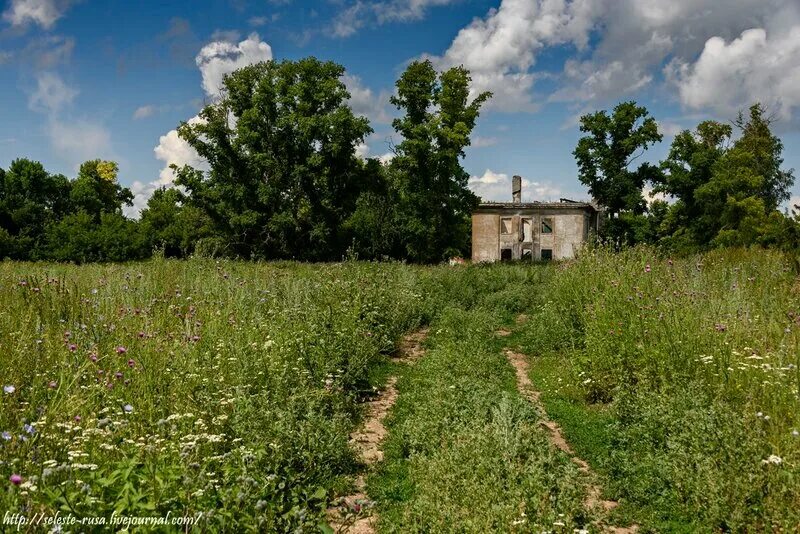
x=485 y=233
x=570 y=231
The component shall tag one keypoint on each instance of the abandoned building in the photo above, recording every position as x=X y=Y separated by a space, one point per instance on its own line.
x=531 y=230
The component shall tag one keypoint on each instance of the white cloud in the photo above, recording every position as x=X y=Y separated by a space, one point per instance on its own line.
x=496 y=187
x=77 y=140
x=484 y=142
x=214 y=60
x=45 y=13
x=620 y=47
x=142 y=112
x=756 y=66
x=669 y=129
x=363 y=13
x=51 y=94
x=219 y=58
x=500 y=49
x=366 y=103
x=171 y=149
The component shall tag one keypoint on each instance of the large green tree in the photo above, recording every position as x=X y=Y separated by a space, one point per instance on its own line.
x=605 y=157
x=96 y=189
x=433 y=203
x=284 y=176
x=30 y=199
x=727 y=192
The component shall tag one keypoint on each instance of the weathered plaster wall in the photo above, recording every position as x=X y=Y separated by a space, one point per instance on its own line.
x=570 y=230
x=485 y=231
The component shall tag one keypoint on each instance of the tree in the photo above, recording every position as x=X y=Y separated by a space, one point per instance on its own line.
x=606 y=154
x=172 y=225
x=727 y=194
x=690 y=164
x=30 y=198
x=283 y=175
x=97 y=191
x=433 y=203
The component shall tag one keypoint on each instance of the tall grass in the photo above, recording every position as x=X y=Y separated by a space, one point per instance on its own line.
x=226 y=389
x=698 y=360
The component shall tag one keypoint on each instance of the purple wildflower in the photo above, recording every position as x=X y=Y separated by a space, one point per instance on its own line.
x=53 y=384
x=131 y=363
x=15 y=479
x=127 y=408
x=6 y=436
x=121 y=350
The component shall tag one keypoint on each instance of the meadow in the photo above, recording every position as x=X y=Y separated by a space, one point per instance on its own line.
x=228 y=391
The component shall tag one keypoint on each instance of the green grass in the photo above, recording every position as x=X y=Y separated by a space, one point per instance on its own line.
x=240 y=383
x=677 y=380
x=465 y=451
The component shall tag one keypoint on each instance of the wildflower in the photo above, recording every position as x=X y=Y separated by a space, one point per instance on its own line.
x=7 y=435
x=719 y=327
x=53 y=384
x=121 y=350
x=77 y=418
x=93 y=357
x=795 y=433
x=118 y=375
x=15 y=479
x=131 y=364
x=647 y=268
x=30 y=429
x=9 y=389
x=772 y=459
x=72 y=347
x=669 y=261
x=127 y=408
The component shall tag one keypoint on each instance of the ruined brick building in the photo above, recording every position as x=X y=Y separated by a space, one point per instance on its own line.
x=531 y=230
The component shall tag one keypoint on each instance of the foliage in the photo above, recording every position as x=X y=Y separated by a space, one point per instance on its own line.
x=281 y=146
x=695 y=361
x=606 y=154
x=433 y=203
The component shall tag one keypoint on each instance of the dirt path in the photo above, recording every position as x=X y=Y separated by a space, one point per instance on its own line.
x=352 y=513
x=593 y=498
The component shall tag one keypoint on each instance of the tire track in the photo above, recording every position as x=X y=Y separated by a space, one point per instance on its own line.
x=353 y=514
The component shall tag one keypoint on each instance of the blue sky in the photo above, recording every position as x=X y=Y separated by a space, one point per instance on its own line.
x=112 y=79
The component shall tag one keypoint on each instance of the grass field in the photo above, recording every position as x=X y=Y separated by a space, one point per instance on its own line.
x=230 y=389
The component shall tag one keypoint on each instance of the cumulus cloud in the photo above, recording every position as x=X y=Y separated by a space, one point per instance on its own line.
x=500 y=49
x=215 y=60
x=496 y=187
x=218 y=58
x=621 y=47
x=756 y=66
x=171 y=149
x=45 y=13
x=365 y=102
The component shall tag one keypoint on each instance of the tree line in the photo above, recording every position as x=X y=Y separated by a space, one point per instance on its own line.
x=723 y=184
x=284 y=180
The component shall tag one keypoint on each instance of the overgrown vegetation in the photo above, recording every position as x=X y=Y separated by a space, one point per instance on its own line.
x=466 y=452
x=678 y=378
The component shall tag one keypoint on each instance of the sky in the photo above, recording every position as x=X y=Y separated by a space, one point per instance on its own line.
x=85 y=79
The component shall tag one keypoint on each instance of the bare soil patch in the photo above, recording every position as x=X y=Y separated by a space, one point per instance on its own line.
x=352 y=513
x=593 y=494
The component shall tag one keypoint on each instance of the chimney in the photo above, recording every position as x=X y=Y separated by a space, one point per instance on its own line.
x=516 y=189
